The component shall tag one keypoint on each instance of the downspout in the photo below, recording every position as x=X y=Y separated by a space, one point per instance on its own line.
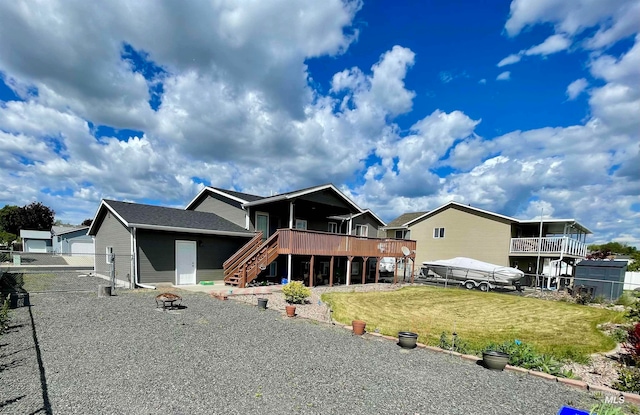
x=137 y=283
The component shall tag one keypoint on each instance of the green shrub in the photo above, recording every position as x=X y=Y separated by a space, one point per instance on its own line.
x=599 y=299
x=620 y=335
x=627 y=299
x=628 y=380
x=295 y=292
x=525 y=356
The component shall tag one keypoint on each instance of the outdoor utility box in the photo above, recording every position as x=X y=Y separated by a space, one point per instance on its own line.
x=605 y=278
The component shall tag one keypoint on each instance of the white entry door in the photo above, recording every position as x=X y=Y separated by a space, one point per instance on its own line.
x=185 y=262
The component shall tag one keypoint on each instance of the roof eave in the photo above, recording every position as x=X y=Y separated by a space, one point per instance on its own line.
x=190 y=230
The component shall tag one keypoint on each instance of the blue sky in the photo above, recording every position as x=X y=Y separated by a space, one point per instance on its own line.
x=518 y=107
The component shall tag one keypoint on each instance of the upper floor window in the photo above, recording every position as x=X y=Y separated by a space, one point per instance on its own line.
x=438 y=232
x=301 y=224
x=333 y=227
x=400 y=234
x=362 y=230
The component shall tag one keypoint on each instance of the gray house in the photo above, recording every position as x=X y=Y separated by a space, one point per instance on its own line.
x=71 y=240
x=153 y=244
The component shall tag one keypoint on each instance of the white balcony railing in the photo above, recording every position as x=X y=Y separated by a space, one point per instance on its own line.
x=553 y=245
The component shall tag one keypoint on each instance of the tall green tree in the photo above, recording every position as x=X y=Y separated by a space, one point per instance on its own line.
x=34 y=216
x=37 y=216
x=10 y=219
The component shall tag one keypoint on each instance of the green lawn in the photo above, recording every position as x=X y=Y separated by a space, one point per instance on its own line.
x=561 y=329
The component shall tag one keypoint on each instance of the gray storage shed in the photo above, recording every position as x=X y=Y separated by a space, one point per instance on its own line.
x=604 y=278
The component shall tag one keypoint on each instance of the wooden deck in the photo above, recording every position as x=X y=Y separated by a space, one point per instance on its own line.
x=256 y=255
x=301 y=242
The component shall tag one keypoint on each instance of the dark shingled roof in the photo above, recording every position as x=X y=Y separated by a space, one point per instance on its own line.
x=240 y=195
x=139 y=214
x=404 y=218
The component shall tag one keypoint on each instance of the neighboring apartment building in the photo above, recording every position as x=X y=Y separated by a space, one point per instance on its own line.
x=457 y=230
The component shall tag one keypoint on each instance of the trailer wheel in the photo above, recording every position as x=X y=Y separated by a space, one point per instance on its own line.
x=484 y=287
x=469 y=285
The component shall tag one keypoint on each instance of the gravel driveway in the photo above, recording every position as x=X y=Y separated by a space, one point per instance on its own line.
x=121 y=355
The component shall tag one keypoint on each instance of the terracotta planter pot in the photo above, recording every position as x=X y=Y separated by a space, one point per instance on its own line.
x=495 y=360
x=358 y=327
x=291 y=310
x=407 y=339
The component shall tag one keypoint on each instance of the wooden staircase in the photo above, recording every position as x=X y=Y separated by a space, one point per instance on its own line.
x=247 y=263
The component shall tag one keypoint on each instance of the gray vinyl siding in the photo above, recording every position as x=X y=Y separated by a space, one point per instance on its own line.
x=157 y=255
x=223 y=207
x=366 y=219
x=113 y=233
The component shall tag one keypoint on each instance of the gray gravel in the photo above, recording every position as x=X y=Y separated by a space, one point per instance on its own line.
x=121 y=355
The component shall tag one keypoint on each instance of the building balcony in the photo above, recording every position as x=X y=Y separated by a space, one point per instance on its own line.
x=555 y=246
x=303 y=242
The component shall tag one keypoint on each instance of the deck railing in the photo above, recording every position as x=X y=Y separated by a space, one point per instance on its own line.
x=303 y=242
x=550 y=245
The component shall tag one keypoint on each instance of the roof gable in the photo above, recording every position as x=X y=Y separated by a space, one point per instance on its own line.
x=468 y=208
x=229 y=194
x=402 y=220
x=169 y=219
x=305 y=192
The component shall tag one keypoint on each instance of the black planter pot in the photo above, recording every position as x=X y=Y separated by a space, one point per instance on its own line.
x=407 y=339
x=262 y=303
x=495 y=360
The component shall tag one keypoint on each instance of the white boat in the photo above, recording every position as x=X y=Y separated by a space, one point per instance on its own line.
x=473 y=273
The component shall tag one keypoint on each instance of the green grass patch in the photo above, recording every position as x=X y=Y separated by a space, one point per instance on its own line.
x=560 y=329
x=37 y=282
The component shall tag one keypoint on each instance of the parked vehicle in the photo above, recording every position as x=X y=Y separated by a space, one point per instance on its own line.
x=387 y=264
x=472 y=273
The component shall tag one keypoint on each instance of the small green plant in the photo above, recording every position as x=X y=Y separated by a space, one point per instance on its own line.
x=295 y=292
x=599 y=299
x=4 y=315
x=628 y=380
x=454 y=343
x=525 y=356
x=627 y=299
x=605 y=408
x=620 y=335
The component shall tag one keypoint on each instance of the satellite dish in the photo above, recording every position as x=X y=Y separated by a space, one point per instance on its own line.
x=405 y=251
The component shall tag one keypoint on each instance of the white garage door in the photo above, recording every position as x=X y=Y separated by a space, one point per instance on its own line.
x=35 y=245
x=81 y=248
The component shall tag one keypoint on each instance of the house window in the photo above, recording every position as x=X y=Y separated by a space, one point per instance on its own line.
x=333 y=227
x=399 y=234
x=301 y=224
x=438 y=232
x=362 y=230
x=108 y=254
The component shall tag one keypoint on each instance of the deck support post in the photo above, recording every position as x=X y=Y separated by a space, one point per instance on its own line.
x=349 y=259
x=364 y=268
x=289 y=268
x=377 y=269
x=413 y=262
x=311 y=271
x=395 y=272
x=331 y=272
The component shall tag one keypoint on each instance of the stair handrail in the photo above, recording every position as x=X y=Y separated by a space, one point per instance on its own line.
x=255 y=251
x=246 y=248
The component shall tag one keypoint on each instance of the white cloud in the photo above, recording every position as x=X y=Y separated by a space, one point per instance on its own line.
x=504 y=76
x=511 y=59
x=552 y=44
x=576 y=87
x=483 y=81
